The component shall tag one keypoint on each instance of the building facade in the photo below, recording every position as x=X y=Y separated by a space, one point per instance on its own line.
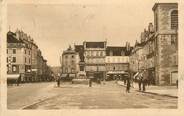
x=70 y=63
x=157 y=50
x=166 y=37
x=117 y=61
x=24 y=57
x=18 y=57
x=94 y=58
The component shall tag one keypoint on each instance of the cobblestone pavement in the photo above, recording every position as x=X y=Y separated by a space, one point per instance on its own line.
x=78 y=96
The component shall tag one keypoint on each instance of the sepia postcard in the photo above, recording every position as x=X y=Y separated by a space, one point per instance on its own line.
x=91 y=57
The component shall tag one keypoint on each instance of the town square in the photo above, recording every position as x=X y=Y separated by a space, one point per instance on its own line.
x=92 y=56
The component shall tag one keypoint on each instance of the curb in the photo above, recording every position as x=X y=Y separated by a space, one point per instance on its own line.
x=166 y=95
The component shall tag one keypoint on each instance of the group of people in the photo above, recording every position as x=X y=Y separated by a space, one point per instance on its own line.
x=140 y=77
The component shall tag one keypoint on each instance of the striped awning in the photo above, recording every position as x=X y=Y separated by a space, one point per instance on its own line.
x=116 y=72
x=71 y=75
x=63 y=75
x=13 y=76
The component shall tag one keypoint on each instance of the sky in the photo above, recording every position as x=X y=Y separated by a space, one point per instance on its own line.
x=56 y=26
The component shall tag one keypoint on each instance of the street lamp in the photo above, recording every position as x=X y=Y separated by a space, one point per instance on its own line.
x=10 y=60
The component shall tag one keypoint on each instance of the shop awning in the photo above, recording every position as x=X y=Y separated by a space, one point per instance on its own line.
x=63 y=75
x=13 y=76
x=116 y=72
x=71 y=75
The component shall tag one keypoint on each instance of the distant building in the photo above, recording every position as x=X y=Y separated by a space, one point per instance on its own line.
x=166 y=39
x=117 y=61
x=18 y=56
x=70 y=63
x=157 y=51
x=24 y=57
x=94 y=57
x=137 y=57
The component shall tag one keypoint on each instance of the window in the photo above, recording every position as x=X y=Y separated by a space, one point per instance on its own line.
x=174 y=19
x=14 y=59
x=72 y=62
x=156 y=21
x=14 y=68
x=111 y=53
x=7 y=51
x=72 y=56
x=101 y=53
x=174 y=41
x=25 y=60
x=96 y=53
x=29 y=60
x=14 y=51
x=91 y=53
x=25 y=51
x=29 y=53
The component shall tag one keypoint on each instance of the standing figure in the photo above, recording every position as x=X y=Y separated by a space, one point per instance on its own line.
x=125 y=78
x=128 y=85
x=18 y=80
x=144 y=80
x=90 y=83
x=140 y=80
x=58 y=80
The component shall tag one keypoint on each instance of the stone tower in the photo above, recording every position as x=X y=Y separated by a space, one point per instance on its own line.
x=166 y=33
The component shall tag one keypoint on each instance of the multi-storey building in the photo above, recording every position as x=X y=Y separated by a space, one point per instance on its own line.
x=70 y=63
x=18 y=57
x=166 y=38
x=159 y=46
x=137 y=57
x=24 y=57
x=117 y=61
x=94 y=57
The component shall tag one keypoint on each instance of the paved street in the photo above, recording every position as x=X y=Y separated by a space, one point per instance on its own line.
x=78 y=96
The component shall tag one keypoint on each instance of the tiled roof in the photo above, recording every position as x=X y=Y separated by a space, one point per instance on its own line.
x=117 y=51
x=12 y=39
x=95 y=45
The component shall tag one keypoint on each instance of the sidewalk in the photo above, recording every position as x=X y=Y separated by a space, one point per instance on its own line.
x=170 y=91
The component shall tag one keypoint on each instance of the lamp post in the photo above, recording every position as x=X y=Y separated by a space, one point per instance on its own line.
x=138 y=65
x=10 y=60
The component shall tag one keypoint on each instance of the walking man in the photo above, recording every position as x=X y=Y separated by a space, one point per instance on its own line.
x=90 y=82
x=18 y=80
x=140 y=80
x=144 y=80
x=58 y=80
x=128 y=85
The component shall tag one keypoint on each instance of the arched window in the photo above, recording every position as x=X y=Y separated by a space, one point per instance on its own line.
x=174 y=19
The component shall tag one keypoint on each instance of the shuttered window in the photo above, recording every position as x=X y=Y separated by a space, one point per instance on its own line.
x=174 y=19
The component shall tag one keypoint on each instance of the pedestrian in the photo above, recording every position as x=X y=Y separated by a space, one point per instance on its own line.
x=128 y=85
x=58 y=80
x=18 y=80
x=125 y=78
x=140 y=80
x=90 y=83
x=144 y=80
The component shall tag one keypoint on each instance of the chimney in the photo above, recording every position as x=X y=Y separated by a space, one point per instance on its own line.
x=143 y=36
x=150 y=28
x=17 y=34
x=126 y=46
